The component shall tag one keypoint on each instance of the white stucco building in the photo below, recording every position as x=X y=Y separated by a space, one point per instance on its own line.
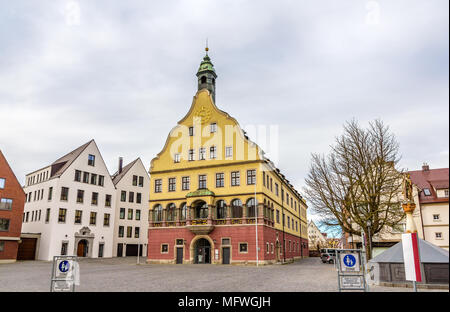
x=70 y=206
x=131 y=218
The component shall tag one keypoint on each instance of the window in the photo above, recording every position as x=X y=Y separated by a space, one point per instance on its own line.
x=213 y=152
x=221 y=209
x=130 y=214
x=138 y=198
x=135 y=180
x=101 y=180
x=236 y=208
x=183 y=211
x=85 y=177
x=64 y=246
x=122 y=213
x=94 y=200
x=243 y=247
x=220 y=179
x=278 y=216
x=172 y=184
x=251 y=177
x=2 y=183
x=438 y=235
x=28 y=214
x=251 y=208
x=2 y=246
x=213 y=127
x=288 y=222
x=191 y=131
x=276 y=189
x=427 y=192
x=185 y=183
x=180 y=241
x=226 y=241
x=4 y=225
x=121 y=231
x=91 y=160
x=176 y=158
x=93 y=218
x=123 y=196
x=106 y=219
x=158 y=186
x=271 y=189
x=202 y=153
x=191 y=155
x=62 y=215
x=235 y=179
x=158 y=211
x=64 y=193
x=6 y=204
x=80 y=196
x=78 y=175
x=229 y=151
x=202 y=181
x=164 y=248
x=138 y=214
x=436 y=217
x=136 y=232
x=107 y=200
x=78 y=214
x=94 y=179
x=47 y=215
x=446 y=193
x=131 y=197
x=129 y=231
x=141 y=181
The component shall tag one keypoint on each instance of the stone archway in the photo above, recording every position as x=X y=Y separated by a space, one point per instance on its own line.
x=192 y=251
x=84 y=235
x=82 y=248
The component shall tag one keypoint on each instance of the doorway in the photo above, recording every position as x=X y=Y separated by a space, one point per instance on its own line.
x=179 y=255
x=226 y=255
x=82 y=249
x=202 y=251
x=119 y=250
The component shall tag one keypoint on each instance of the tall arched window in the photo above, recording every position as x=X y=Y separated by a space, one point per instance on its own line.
x=251 y=207
x=170 y=212
x=221 y=209
x=183 y=211
x=201 y=210
x=236 y=208
x=158 y=213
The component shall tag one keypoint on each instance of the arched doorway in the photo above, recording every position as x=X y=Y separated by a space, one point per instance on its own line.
x=82 y=249
x=202 y=251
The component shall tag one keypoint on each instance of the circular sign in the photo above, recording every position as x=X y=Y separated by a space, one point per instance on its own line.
x=64 y=266
x=349 y=260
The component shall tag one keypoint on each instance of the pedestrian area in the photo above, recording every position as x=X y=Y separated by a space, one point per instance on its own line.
x=123 y=274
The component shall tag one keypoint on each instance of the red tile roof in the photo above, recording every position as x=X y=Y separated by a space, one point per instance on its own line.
x=431 y=179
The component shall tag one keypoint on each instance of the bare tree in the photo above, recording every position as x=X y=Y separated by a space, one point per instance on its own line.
x=357 y=185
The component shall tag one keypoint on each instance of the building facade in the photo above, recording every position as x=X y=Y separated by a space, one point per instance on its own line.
x=12 y=199
x=316 y=238
x=214 y=197
x=69 y=207
x=131 y=218
x=431 y=194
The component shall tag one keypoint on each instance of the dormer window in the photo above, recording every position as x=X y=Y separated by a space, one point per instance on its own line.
x=427 y=192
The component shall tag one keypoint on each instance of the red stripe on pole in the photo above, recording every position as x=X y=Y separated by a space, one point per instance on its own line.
x=416 y=256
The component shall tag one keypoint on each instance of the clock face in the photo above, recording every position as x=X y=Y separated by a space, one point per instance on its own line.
x=204 y=114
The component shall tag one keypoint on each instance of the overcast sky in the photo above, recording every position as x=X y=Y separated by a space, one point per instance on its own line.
x=123 y=73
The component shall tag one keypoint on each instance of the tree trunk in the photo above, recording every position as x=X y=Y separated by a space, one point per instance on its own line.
x=368 y=243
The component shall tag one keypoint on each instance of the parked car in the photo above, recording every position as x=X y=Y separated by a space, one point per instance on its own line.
x=328 y=255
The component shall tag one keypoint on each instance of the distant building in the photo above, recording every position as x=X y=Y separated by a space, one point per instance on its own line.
x=431 y=194
x=12 y=199
x=69 y=207
x=131 y=218
x=316 y=238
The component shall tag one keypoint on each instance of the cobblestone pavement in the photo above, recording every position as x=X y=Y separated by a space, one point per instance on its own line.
x=123 y=274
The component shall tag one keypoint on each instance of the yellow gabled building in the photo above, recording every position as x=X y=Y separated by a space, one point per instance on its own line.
x=204 y=184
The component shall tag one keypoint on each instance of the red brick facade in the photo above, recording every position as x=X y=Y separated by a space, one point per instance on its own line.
x=268 y=240
x=12 y=190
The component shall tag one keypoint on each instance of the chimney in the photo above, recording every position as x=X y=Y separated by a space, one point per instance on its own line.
x=120 y=164
x=425 y=167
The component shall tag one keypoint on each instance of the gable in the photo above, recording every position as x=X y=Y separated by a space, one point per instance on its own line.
x=201 y=115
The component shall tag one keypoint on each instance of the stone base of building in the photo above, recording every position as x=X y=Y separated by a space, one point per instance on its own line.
x=224 y=244
x=4 y=261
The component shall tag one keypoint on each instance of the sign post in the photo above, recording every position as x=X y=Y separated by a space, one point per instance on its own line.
x=411 y=258
x=64 y=270
x=351 y=269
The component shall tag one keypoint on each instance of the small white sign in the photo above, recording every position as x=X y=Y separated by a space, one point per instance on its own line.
x=349 y=262
x=216 y=254
x=349 y=281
